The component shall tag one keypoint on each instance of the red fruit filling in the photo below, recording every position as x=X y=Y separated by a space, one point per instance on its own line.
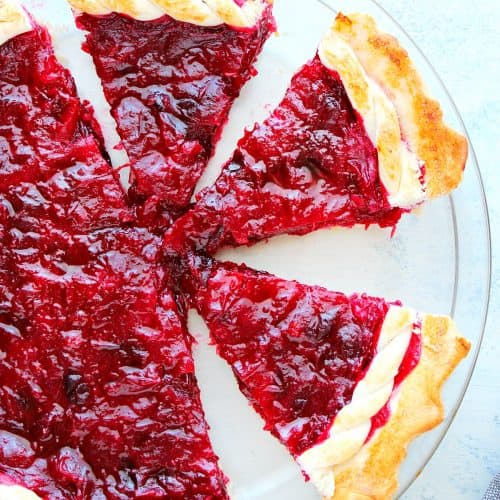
x=98 y=390
x=49 y=149
x=98 y=397
x=310 y=164
x=170 y=86
x=297 y=351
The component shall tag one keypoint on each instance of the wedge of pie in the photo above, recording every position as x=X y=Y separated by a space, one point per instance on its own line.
x=355 y=140
x=98 y=397
x=50 y=145
x=344 y=382
x=170 y=71
x=98 y=393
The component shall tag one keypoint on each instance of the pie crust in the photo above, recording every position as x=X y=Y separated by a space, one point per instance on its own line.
x=202 y=12
x=399 y=168
x=13 y=20
x=373 y=472
x=442 y=150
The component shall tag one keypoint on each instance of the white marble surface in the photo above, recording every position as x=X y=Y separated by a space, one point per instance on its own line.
x=462 y=41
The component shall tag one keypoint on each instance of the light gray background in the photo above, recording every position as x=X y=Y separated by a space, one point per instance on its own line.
x=461 y=38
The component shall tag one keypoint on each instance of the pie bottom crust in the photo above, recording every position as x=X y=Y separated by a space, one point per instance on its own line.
x=373 y=473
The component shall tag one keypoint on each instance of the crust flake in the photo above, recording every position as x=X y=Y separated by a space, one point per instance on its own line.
x=372 y=474
x=13 y=20
x=442 y=149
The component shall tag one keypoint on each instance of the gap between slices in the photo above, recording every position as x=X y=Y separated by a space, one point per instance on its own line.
x=170 y=71
x=345 y=383
x=355 y=140
x=97 y=385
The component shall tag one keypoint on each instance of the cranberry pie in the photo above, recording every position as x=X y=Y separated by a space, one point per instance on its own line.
x=170 y=71
x=356 y=140
x=345 y=383
x=98 y=397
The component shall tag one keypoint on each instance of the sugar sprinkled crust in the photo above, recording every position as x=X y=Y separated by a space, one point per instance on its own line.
x=442 y=149
x=202 y=12
x=373 y=473
x=13 y=20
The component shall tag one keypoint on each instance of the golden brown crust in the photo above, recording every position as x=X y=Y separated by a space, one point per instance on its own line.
x=202 y=12
x=372 y=473
x=442 y=149
x=13 y=20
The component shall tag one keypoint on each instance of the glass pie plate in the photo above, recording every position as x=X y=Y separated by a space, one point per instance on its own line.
x=438 y=260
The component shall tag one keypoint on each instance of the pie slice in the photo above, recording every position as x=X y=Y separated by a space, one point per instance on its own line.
x=98 y=397
x=356 y=140
x=50 y=145
x=98 y=393
x=170 y=72
x=344 y=382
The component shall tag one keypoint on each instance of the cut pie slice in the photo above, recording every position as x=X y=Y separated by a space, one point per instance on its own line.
x=170 y=71
x=356 y=140
x=344 y=382
x=50 y=145
x=98 y=396
x=98 y=393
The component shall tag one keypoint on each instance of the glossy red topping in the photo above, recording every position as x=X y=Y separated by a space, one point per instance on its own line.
x=98 y=389
x=309 y=165
x=49 y=149
x=170 y=86
x=98 y=397
x=297 y=351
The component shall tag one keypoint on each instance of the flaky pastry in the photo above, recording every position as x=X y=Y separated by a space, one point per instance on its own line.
x=13 y=20
x=202 y=12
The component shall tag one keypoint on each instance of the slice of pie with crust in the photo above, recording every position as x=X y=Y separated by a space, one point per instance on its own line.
x=98 y=397
x=170 y=71
x=355 y=140
x=344 y=382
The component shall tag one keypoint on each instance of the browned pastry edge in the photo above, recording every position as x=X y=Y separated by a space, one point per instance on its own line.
x=442 y=149
x=373 y=472
x=191 y=11
x=13 y=20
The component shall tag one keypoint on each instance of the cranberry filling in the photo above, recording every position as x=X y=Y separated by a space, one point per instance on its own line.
x=297 y=351
x=309 y=165
x=49 y=149
x=98 y=386
x=170 y=86
x=98 y=396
